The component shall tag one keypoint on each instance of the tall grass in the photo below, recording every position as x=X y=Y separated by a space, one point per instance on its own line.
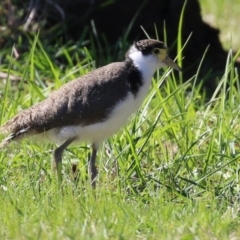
x=171 y=173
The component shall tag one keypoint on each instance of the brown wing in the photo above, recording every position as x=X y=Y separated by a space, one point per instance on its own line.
x=83 y=101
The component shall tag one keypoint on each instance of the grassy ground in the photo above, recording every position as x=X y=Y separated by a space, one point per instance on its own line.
x=172 y=173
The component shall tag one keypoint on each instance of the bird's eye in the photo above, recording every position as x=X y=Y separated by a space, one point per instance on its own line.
x=156 y=51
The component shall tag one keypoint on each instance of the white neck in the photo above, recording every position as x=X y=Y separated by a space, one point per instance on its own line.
x=147 y=64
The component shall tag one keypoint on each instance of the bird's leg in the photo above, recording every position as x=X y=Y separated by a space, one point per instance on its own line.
x=92 y=170
x=58 y=157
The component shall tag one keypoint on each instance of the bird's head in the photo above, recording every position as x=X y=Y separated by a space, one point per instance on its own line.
x=151 y=53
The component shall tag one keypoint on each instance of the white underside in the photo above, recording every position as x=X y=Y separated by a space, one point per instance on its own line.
x=98 y=132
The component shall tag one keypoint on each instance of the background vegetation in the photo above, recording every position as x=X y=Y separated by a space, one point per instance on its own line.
x=223 y=15
x=172 y=173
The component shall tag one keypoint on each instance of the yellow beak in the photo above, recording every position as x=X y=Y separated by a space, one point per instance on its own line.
x=169 y=62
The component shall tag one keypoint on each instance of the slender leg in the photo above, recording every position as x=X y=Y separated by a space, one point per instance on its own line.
x=58 y=157
x=92 y=170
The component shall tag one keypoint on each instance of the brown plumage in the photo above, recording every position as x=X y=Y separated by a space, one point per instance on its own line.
x=78 y=102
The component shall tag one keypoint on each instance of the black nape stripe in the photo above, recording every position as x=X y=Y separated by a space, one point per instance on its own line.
x=135 y=77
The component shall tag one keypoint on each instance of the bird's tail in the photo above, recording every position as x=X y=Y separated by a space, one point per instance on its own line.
x=12 y=136
x=6 y=141
x=15 y=131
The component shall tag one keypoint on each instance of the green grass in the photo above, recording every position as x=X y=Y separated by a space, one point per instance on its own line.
x=171 y=173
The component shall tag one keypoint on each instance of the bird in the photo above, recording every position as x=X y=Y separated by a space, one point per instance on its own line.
x=94 y=106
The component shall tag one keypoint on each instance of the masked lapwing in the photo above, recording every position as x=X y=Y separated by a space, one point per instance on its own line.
x=94 y=106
